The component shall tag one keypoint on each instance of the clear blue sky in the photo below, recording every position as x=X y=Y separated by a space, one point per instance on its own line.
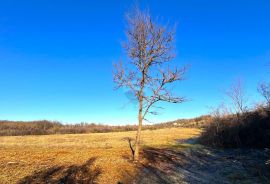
x=56 y=56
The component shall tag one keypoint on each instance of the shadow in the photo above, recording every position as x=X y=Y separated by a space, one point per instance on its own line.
x=203 y=165
x=188 y=141
x=79 y=174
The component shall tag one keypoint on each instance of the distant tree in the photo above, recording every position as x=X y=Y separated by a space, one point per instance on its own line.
x=238 y=96
x=147 y=73
x=264 y=90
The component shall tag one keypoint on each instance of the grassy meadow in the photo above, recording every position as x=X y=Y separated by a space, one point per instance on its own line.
x=24 y=157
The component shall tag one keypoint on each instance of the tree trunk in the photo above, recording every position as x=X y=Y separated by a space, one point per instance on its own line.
x=138 y=137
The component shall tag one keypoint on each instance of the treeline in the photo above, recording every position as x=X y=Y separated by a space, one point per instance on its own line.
x=16 y=128
x=44 y=127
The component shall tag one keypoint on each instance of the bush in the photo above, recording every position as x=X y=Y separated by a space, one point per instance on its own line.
x=251 y=129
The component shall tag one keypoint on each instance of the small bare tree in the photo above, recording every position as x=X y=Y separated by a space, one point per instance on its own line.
x=217 y=113
x=238 y=97
x=264 y=90
x=147 y=73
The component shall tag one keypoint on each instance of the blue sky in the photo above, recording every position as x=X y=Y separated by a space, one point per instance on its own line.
x=56 y=56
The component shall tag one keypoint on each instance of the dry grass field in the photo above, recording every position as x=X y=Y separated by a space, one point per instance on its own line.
x=49 y=156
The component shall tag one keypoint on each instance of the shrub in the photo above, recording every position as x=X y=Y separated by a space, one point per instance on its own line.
x=250 y=129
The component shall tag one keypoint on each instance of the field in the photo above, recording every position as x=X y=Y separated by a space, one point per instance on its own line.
x=68 y=157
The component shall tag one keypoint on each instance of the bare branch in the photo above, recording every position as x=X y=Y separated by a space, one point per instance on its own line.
x=264 y=90
x=125 y=78
x=237 y=94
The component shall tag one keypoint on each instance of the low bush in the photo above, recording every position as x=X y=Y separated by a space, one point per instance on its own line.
x=250 y=129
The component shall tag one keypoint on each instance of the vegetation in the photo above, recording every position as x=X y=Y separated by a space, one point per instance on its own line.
x=250 y=129
x=147 y=73
x=264 y=90
x=104 y=156
x=240 y=127
x=238 y=97
x=21 y=128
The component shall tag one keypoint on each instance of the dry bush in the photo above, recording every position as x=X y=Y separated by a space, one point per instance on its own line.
x=252 y=130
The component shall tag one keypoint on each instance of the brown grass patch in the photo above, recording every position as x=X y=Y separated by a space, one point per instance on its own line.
x=29 y=157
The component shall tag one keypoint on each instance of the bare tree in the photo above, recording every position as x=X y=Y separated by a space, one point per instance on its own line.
x=264 y=90
x=147 y=72
x=217 y=113
x=238 y=97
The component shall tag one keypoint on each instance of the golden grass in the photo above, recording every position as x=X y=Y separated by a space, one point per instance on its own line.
x=21 y=156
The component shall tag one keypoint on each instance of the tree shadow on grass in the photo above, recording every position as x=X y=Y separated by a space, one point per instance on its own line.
x=79 y=174
x=203 y=165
